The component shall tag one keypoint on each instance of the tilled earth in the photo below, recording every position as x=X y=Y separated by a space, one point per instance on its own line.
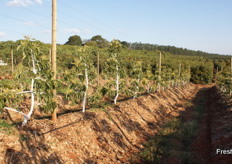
x=113 y=134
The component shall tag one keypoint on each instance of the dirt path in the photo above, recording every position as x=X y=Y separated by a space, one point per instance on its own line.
x=180 y=141
x=202 y=145
x=216 y=131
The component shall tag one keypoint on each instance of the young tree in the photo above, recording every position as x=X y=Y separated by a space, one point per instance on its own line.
x=82 y=75
x=32 y=67
x=148 y=78
x=113 y=64
x=136 y=74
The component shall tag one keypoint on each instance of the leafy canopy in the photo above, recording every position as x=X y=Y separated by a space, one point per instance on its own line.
x=74 y=40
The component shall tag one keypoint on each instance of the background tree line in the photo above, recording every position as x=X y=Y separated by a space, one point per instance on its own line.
x=203 y=65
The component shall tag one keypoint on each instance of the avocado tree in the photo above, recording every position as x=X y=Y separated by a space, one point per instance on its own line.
x=113 y=66
x=136 y=74
x=148 y=78
x=41 y=84
x=80 y=77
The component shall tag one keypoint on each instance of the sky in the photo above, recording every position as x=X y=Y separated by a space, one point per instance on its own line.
x=204 y=25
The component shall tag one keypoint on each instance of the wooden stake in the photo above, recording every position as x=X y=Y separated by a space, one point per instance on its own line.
x=159 y=77
x=54 y=18
x=53 y=54
x=160 y=66
x=230 y=75
x=231 y=65
x=12 y=61
x=98 y=69
x=179 y=69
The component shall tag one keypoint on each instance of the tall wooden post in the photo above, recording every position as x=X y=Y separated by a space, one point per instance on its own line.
x=53 y=54
x=159 y=77
x=50 y=55
x=12 y=61
x=179 y=69
x=230 y=76
x=98 y=69
x=231 y=65
x=160 y=66
x=179 y=73
x=54 y=18
x=189 y=68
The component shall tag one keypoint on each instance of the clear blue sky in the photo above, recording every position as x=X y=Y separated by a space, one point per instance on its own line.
x=204 y=25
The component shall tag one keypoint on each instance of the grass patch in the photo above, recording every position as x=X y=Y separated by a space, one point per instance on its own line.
x=160 y=146
x=188 y=103
x=6 y=127
x=187 y=158
x=187 y=133
x=175 y=137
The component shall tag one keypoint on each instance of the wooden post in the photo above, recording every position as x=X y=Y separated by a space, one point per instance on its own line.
x=189 y=73
x=230 y=76
x=98 y=69
x=12 y=62
x=54 y=18
x=179 y=69
x=179 y=73
x=231 y=65
x=160 y=66
x=159 y=77
x=53 y=54
x=50 y=55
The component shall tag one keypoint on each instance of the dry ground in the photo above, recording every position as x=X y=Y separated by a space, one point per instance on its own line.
x=113 y=134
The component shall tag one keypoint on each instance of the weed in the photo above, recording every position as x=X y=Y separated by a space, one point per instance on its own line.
x=6 y=127
x=187 y=133
x=187 y=158
x=23 y=137
x=187 y=104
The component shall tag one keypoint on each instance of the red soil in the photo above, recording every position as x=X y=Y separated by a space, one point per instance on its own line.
x=113 y=134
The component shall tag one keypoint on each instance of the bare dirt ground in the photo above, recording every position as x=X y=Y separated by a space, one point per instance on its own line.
x=215 y=129
x=113 y=134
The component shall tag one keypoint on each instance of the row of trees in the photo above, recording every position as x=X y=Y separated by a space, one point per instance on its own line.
x=171 y=49
x=97 y=40
x=79 y=79
x=100 y=42
x=89 y=75
x=224 y=76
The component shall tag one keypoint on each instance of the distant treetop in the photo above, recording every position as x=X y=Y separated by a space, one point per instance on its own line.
x=74 y=40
